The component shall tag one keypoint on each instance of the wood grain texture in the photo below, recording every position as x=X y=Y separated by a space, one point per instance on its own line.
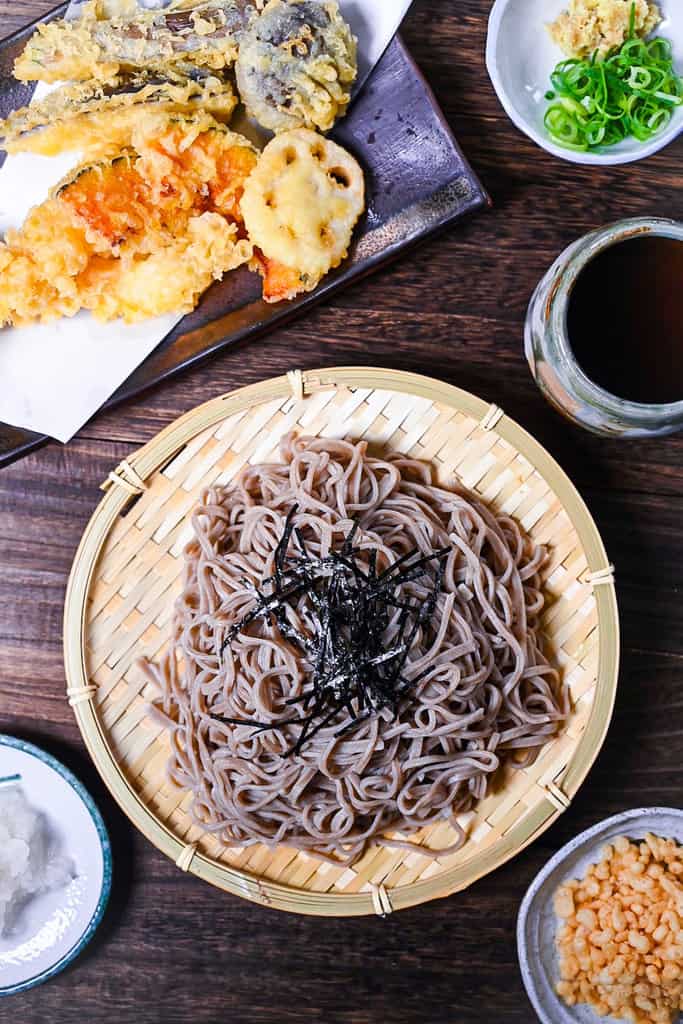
x=171 y=948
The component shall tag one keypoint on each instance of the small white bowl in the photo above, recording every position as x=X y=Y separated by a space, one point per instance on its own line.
x=55 y=927
x=537 y=923
x=520 y=57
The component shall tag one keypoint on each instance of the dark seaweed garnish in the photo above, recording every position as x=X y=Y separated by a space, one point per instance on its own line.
x=348 y=609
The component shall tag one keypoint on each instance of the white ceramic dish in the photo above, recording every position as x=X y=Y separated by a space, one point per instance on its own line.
x=54 y=928
x=520 y=56
x=536 y=924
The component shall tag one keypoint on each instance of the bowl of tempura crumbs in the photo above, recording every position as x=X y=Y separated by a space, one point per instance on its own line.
x=600 y=930
x=590 y=81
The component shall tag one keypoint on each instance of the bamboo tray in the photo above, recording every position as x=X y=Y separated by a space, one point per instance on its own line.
x=127 y=572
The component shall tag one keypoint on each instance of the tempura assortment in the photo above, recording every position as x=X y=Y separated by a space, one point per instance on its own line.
x=166 y=198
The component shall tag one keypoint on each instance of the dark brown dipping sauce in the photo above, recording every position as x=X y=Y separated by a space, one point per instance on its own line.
x=625 y=320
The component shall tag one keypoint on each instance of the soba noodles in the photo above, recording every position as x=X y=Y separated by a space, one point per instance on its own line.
x=487 y=694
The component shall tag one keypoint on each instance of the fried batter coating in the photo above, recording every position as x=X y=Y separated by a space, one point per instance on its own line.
x=280 y=283
x=300 y=207
x=98 y=119
x=90 y=47
x=296 y=65
x=136 y=236
x=170 y=280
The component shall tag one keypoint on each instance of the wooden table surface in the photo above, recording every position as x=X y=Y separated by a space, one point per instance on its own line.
x=172 y=949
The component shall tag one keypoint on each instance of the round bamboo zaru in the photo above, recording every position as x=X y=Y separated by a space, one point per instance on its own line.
x=126 y=575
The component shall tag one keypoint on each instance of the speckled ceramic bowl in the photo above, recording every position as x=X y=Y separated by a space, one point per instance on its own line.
x=520 y=56
x=537 y=924
x=55 y=927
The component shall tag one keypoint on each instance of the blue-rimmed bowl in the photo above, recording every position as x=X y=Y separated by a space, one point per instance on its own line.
x=520 y=57
x=54 y=928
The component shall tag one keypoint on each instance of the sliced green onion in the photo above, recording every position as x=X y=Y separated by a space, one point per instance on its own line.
x=598 y=103
x=666 y=97
x=659 y=119
x=563 y=127
x=639 y=78
x=572 y=106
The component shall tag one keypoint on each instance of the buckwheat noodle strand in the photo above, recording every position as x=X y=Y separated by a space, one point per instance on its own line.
x=489 y=696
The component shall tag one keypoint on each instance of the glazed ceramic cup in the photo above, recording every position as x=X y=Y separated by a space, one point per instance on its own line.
x=550 y=357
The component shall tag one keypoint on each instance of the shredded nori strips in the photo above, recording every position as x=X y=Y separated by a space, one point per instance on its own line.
x=348 y=610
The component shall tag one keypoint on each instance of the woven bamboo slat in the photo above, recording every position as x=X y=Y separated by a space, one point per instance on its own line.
x=126 y=575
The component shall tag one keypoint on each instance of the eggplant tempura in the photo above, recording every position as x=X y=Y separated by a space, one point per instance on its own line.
x=96 y=47
x=296 y=65
x=295 y=60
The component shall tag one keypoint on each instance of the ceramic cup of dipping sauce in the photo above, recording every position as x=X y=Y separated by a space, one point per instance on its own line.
x=604 y=330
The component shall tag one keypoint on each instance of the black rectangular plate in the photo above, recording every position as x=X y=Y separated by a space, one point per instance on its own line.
x=395 y=117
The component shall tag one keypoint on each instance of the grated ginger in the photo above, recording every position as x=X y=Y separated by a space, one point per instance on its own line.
x=602 y=25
